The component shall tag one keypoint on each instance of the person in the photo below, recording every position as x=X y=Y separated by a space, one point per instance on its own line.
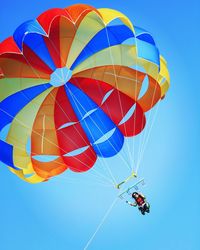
x=140 y=201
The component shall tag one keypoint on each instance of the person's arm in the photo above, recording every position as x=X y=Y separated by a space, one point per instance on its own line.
x=132 y=204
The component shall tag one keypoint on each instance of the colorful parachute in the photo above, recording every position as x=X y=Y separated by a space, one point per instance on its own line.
x=70 y=85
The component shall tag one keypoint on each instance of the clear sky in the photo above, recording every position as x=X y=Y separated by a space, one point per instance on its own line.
x=63 y=214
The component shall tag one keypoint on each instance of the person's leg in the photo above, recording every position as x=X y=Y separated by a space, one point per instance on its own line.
x=142 y=210
x=147 y=207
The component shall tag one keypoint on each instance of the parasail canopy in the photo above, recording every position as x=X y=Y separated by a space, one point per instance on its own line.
x=70 y=89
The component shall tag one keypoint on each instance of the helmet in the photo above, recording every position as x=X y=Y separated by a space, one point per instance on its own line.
x=134 y=194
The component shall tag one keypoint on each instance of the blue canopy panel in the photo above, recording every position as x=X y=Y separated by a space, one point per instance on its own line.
x=75 y=95
x=31 y=33
x=148 y=51
x=144 y=35
x=6 y=155
x=147 y=38
x=146 y=46
x=28 y=27
x=107 y=37
x=103 y=134
x=10 y=106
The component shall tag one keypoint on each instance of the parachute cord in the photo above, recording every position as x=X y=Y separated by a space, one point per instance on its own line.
x=145 y=142
x=126 y=163
x=132 y=145
x=21 y=148
x=65 y=136
x=74 y=98
x=122 y=150
x=62 y=110
x=106 y=165
x=104 y=176
x=55 y=101
x=144 y=138
x=116 y=81
x=68 y=138
x=101 y=223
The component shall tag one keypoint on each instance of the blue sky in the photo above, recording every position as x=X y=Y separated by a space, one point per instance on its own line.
x=63 y=214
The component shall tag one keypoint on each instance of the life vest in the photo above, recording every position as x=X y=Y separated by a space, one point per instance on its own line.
x=140 y=200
